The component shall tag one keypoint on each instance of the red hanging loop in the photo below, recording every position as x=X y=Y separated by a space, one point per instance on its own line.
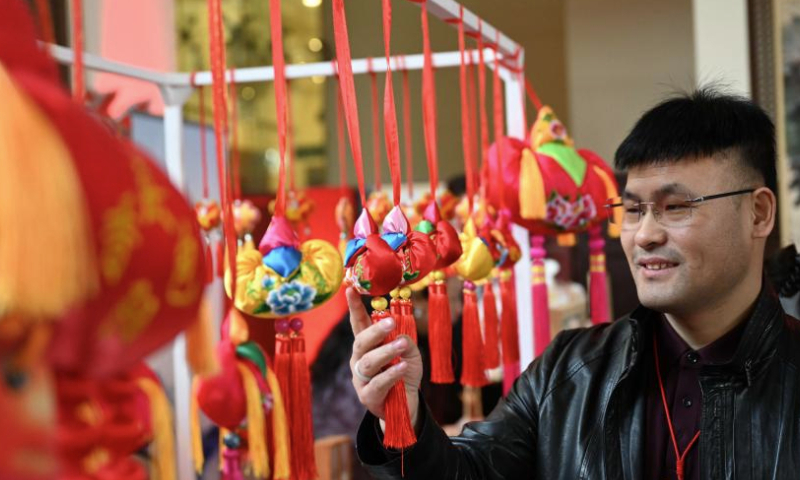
x=466 y=137
x=348 y=92
x=429 y=106
x=45 y=17
x=78 y=85
x=484 y=131
x=290 y=138
x=407 y=128
x=376 y=124
x=234 y=137
x=279 y=66
x=497 y=100
x=342 y=148
x=391 y=135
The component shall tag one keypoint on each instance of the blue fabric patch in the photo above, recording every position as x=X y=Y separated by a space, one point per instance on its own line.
x=353 y=246
x=284 y=260
x=395 y=240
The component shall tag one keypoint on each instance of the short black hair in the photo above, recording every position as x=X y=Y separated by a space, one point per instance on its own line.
x=700 y=124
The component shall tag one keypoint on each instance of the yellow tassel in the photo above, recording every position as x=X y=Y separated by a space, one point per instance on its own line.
x=566 y=240
x=256 y=428
x=237 y=329
x=46 y=232
x=611 y=192
x=532 y=201
x=195 y=431
x=280 y=430
x=199 y=350
x=163 y=447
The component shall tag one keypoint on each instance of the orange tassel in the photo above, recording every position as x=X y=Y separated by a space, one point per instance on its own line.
x=491 y=323
x=472 y=373
x=209 y=260
x=304 y=465
x=399 y=432
x=440 y=332
x=199 y=343
x=532 y=198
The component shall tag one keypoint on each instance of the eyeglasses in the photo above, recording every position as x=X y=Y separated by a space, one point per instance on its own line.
x=671 y=211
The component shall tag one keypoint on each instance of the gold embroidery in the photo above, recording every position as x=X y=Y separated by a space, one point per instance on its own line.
x=119 y=237
x=184 y=283
x=133 y=312
x=152 y=198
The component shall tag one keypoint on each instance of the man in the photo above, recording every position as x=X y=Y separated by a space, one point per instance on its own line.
x=700 y=382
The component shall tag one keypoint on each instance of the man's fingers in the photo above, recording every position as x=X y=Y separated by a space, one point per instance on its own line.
x=374 y=392
x=359 y=319
x=373 y=361
x=371 y=337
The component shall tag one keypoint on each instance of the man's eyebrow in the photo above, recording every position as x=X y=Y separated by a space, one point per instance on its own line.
x=626 y=195
x=661 y=192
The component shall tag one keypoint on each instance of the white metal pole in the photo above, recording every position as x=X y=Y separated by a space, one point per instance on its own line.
x=174 y=98
x=515 y=127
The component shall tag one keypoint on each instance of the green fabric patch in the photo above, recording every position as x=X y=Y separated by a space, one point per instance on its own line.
x=568 y=158
x=425 y=227
x=252 y=352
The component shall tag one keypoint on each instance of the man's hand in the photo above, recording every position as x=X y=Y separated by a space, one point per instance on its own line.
x=370 y=356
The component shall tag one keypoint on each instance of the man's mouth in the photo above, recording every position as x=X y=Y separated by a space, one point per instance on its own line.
x=656 y=264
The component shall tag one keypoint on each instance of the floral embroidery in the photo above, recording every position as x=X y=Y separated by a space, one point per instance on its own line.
x=292 y=297
x=567 y=215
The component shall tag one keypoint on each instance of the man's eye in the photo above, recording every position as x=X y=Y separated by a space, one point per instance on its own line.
x=632 y=209
x=676 y=207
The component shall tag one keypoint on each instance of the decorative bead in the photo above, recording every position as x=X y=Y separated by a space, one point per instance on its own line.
x=438 y=275
x=395 y=293
x=405 y=293
x=379 y=303
x=469 y=285
x=296 y=324
x=232 y=440
x=282 y=326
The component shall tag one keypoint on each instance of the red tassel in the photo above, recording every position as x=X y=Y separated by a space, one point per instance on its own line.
x=598 y=290
x=399 y=432
x=304 y=465
x=509 y=331
x=283 y=359
x=209 y=259
x=472 y=373
x=440 y=333
x=491 y=323
x=220 y=258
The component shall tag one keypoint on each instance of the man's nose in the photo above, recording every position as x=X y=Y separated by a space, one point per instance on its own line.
x=650 y=233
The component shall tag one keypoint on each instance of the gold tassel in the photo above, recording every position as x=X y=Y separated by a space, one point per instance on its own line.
x=163 y=448
x=238 y=331
x=566 y=240
x=256 y=436
x=196 y=431
x=532 y=201
x=280 y=430
x=611 y=192
x=199 y=350
x=43 y=212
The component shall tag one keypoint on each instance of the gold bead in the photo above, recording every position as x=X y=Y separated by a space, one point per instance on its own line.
x=438 y=275
x=394 y=293
x=379 y=303
x=405 y=293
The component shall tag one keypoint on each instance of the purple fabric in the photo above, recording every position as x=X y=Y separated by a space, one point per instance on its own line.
x=680 y=369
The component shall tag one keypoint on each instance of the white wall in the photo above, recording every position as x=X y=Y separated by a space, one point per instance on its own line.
x=623 y=56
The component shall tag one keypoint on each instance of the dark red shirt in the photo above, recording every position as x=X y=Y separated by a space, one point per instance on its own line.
x=680 y=369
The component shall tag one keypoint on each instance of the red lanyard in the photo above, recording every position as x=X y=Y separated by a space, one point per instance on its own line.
x=679 y=457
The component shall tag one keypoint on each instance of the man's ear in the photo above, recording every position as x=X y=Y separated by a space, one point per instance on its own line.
x=765 y=207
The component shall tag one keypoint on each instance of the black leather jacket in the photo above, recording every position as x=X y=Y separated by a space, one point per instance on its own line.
x=578 y=412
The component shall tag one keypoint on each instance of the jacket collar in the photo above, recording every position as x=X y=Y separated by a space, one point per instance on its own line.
x=757 y=345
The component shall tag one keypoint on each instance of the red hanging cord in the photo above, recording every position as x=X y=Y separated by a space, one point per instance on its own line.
x=78 y=85
x=234 y=137
x=203 y=147
x=497 y=92
x=532 y=96
x=348 y=92
x=679 y=457
x=376 y=124
x=473 y=123
x=391 y=135
x=407 y=129
x=484 y=146
x=429 y=105
x=279 y=66
x=290 y=137
x=45 y=18
x=217 y=45
x=342 y=148
x=466 y=137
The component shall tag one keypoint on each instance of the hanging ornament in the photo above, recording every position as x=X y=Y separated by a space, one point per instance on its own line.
x=126 y=278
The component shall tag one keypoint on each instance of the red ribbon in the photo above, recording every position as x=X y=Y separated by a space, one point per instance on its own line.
x=407 y=129
x=340 y=134
x=220 y=127
x=482 y=92
x=279 y=66
x=348 y=92
x=532 y=95
x=466 y=137
x=497 y=91
x=473 y=123
x=429 y=105
x=203 y=148
x=376 y=124
x=290 y=137
x=45 y=21
x=78 y=85
x=389 y=110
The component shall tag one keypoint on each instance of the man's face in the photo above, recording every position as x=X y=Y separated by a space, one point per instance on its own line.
x=682 y=269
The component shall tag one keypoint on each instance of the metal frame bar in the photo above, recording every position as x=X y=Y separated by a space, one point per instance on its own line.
x=177 y=87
